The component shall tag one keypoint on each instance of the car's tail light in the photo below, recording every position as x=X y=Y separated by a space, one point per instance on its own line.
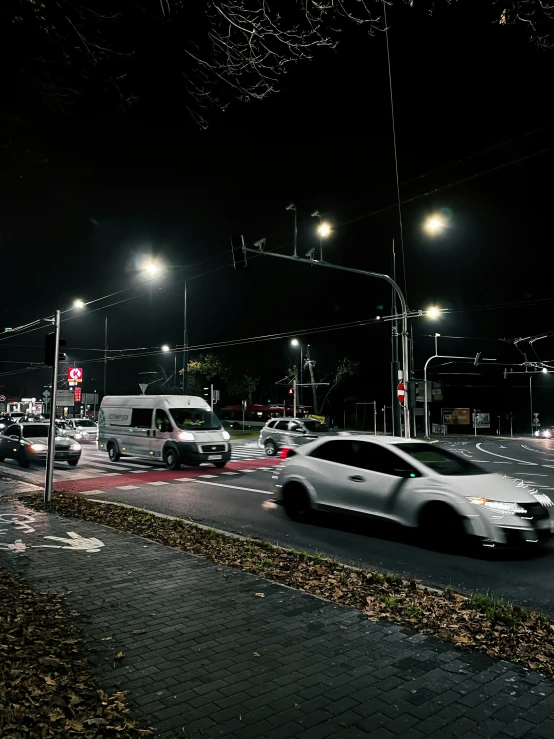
x=285 y=453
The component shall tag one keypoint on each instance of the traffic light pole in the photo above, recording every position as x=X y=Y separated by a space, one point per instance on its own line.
x=52 y=430
x=364 y=273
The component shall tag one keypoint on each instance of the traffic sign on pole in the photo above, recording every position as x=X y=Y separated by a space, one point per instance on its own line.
x=401 y=393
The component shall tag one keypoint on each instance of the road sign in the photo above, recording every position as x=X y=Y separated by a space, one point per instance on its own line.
x=536 y=422
x=75 y=374
x=143 y=386
x=64 y=398
x=401 y=392
x=46 y=394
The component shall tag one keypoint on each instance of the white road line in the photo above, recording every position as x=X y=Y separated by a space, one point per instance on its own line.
x=232 y=487
x=127 y=487
x=494 y=462
x=94 y=492
x=229 y=473
x=511 y=459
x=536 y=474
x=158 y=482
x=138 y=472
x=207 y=475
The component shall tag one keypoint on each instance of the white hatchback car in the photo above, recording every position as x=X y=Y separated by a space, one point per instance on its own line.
x=415 y=484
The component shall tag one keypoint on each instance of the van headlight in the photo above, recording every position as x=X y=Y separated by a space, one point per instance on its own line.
x=77 y=436
x=510 y=509
x=74 y=447
x=38 y=447
x=226 y=435
x=186 y=436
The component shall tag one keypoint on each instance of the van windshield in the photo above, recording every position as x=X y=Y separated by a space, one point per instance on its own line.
x=198 y=418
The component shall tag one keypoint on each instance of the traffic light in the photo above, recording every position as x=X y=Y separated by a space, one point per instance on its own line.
x=50 y=349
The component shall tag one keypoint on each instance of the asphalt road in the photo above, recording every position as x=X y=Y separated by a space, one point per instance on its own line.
x=240 y=501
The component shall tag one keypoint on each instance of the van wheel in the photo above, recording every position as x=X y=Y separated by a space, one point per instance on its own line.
x=113 y=454
x=219 y=465
x=270 y=448
x=171 y=459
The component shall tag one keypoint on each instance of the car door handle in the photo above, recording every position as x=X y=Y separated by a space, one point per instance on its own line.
x=357 y=478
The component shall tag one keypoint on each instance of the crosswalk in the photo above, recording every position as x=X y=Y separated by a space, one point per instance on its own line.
x=95 y=463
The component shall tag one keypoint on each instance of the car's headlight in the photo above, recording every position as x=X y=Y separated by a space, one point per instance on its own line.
x=78 y=436
x=74 y=447
x=186 y=436
x=38 y=447
x=226 y=435
x=510 y=509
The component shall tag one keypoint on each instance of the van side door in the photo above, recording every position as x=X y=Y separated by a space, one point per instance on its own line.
x=137 y=438
x=161 y=431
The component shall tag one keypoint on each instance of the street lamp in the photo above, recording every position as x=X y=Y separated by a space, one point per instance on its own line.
x=78 y=303
x=165 y=348
x=545 y=371
x=151 y=268
x=292 y=206
x=434 y=224
x=324 y=230
x=433 y=312
x=296 y=343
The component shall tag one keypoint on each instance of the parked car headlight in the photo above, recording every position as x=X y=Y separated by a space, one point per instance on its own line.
x=74 y=447
x=78 y=436
x=510 y=509
x=186 y=436
x=226 y=435
x=38 y=447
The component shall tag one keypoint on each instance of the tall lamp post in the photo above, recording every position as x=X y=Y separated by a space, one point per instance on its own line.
x=295 y=342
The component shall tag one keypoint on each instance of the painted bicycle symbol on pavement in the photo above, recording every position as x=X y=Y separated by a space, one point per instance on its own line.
x=21 y=523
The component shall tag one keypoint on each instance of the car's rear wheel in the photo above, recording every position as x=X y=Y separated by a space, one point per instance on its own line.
x=219 y=465
x=296 y=502
x=270 y=448
x=171 y=459
x=113 y=454
x=441 y=527
x=72 y=462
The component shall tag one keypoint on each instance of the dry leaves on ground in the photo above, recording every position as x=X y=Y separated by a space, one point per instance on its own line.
x=48 y=687
x=482 y=623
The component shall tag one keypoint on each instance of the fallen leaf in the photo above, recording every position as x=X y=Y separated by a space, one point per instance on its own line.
x=56 y=715
x=106 y=638
x=256 y=654
x=139 y=631
x=120 y=655
x=260 y=595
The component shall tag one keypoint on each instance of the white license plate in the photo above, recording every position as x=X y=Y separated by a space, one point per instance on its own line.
x=215 y=456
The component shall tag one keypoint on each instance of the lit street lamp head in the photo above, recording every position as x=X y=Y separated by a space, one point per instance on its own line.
x=151 y=268
x=79 y=303
x=434 y=225
x=433 y=312
x=295 y=342
x=324 y=229
x=165 y=348
x=544 y=370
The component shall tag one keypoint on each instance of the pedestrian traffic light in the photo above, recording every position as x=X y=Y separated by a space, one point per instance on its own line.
x=50 y=349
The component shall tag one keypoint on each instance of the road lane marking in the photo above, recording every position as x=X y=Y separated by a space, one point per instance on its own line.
x=232 y=487
x=511 y=459
x=127 y=487
x=229 y=473
x=158 y=482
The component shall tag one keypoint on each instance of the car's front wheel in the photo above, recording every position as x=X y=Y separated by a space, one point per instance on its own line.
x=441 y=527
x=23 y=461
x=171 y=459
x=270 y=448
x=296 y=502
x=219 y=465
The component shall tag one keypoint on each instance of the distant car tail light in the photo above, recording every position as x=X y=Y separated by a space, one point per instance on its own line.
x=286 y=453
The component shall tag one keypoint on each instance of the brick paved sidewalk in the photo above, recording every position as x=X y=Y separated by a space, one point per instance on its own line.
x=217 y=660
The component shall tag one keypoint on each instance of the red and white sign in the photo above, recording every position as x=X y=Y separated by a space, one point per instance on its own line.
x=401 y=392
x=75 y=374
x=77 y=394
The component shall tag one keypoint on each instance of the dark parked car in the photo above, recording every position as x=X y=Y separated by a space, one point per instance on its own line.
x=28 y=443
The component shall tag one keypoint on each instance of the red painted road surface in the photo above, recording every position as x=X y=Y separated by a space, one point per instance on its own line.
x=154 y=475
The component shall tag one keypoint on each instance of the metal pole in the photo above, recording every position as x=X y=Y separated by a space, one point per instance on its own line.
x=294 y=398
x=175 y=373
x=511 y=425
x=51 y=451
x=385 y=420
x=356 y=416
x=531 y=402
x=295 y=233
x=475 y=421
x=185 y=346
x=314 y=389
x=320 y=241
x=105 y=354
x=365 y=273
x=425 y=393
x=301 y=374
x=395 y=405
x=375 y=417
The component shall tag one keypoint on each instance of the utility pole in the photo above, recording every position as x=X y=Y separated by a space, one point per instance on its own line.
x=51 y=451
x=378 y=275
x=395 y=366
x=294 y=397
x=185 y=346
x=311 y=368
x=105 y=353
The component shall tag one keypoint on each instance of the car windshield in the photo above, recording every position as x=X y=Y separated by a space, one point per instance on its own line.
x=197 y=418
x=313 y=425
x=86 y=424
x=440 y=460
x=33 y=432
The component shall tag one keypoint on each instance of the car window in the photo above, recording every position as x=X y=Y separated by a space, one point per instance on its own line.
x=40 y=430
x=282 y=425
x=12 y=431
x=141 y=418
x=294 y=426
x=338 y=451
x=270 y=424
x=162 y=421
x=85 y=423
x=441 y=460
x=377 y=458
x=313 y=425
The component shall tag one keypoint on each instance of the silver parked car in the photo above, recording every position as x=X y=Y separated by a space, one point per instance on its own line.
x=28 y=442
x=82 y=429
x=279 y=433
x=414 y=484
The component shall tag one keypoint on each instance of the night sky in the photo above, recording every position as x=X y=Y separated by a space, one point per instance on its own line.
x=98 y=189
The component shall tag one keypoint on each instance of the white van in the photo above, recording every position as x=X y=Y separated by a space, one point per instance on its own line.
x=179 y=429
